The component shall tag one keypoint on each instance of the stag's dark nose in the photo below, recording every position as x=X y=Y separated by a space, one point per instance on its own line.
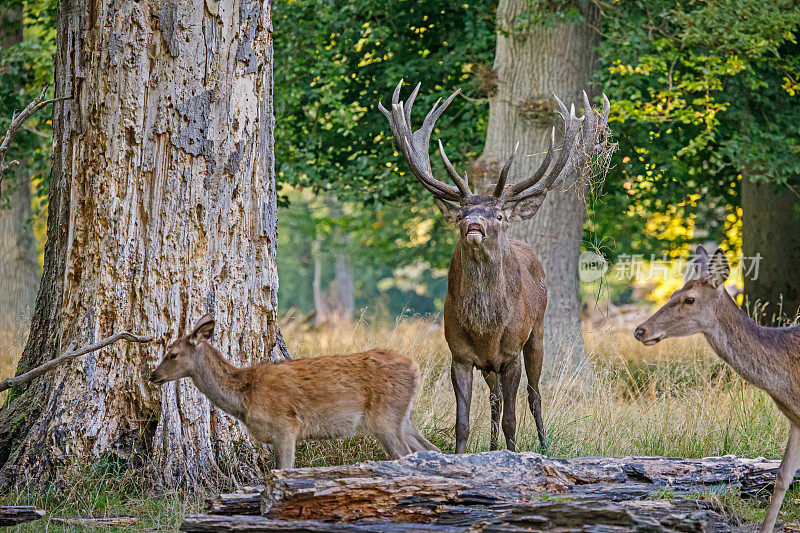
x=639 y=333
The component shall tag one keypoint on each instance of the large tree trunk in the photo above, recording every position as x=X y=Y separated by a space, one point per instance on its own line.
x=18 y=269
x=162 y=207
x=533 y=61
x=770 y=228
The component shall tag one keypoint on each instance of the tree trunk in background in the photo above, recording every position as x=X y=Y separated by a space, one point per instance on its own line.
x=162 y=208
x=19 y=273
x=531 y=63
x=770 y=227
x=345 y=287
x=320 y=303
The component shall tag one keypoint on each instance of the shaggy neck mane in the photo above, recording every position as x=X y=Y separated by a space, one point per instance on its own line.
x=486 y=284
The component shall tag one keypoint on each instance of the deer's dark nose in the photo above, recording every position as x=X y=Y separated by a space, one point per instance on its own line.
x=639 y=332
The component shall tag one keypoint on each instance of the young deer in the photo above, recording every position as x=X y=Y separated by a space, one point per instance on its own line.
x=769 y=358
x=496 y=291
x=315 y=398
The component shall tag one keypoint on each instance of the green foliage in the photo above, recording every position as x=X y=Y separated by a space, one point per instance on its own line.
x=25 y=68
x=334 y=62
x=703 y=92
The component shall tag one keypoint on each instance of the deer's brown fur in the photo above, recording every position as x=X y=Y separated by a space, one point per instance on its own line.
x=769 y=358
x=322 y=397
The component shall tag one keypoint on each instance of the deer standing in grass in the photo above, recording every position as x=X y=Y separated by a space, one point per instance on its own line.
x=496 y=291
x=314 y=398
x=769 y=358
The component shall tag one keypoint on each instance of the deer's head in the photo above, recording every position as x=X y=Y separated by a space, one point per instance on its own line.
x=690 y=309
x=180 y=357
x=483 y=219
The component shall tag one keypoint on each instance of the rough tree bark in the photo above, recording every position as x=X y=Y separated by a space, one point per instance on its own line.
x=19 y=273
x=162 y=207
x=533 y=61
x=770 y=228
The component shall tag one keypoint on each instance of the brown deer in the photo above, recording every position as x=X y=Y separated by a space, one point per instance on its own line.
x=324 y=397
x=769 y=358
x=496 y=291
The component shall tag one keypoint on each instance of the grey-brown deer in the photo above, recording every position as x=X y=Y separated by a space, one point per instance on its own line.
x=496 y=291
x=769 y=358
x=322 y=397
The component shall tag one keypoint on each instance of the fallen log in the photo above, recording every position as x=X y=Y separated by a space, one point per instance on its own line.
x=11 y=515
x=494 y=491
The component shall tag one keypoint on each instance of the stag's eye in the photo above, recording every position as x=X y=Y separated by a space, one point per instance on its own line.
x=500 y=217
x=689 y=300
x=173 y=355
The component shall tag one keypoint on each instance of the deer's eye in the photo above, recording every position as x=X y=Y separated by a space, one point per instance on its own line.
x=173 y=355
x=500 y=217
x=689 y=300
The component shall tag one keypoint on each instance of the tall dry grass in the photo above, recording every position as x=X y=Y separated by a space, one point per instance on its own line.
x=674 y=399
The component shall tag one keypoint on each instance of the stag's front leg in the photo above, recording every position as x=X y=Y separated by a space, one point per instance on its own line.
x=509 y=384
x=496 y=404
x=461 y=374
x=791 y=460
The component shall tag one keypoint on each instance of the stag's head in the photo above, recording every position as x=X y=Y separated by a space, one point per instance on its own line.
x=690 y=309
x=483 y=219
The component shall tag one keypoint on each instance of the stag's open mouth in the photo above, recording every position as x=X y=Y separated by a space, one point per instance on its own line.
x=475 y=229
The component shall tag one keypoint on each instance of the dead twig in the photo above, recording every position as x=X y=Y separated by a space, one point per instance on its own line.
x=17 y=121
x=60 y=360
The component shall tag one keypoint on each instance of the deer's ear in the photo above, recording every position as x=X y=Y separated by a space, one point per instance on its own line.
x=449 y=210
x=697 y=267
x=524 y=209
x=718 y=269
x=203 y=330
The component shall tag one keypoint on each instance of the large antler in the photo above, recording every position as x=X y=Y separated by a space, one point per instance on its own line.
x=414 y=146
x=578 y=145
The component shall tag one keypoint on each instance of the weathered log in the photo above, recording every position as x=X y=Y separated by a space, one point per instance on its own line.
x=418 y=485
x=493 y=491
x=246 y=501
x=678 y=515
x=11 y=515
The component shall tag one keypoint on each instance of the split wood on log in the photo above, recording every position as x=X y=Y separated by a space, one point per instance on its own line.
x=495 y=491
x=12 y=515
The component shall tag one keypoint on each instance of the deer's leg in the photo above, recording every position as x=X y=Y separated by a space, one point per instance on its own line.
x=509 y=384
x=283 y=449
x=415 y=440
x=461 y=374
x=791 y=460
x=496 y=404
x=533 y=354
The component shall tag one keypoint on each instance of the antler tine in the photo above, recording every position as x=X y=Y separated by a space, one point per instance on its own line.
x=460 y=182
x=415 y=145
x=499 y=189
x=580 y=141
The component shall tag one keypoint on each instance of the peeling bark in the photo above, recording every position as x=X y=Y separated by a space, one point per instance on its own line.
x=147 y=231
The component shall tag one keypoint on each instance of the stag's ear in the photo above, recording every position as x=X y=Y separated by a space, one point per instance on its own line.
x=718 y=269
x=524 y=209
x=203 y=330
x=697 y=267
x=450 y=211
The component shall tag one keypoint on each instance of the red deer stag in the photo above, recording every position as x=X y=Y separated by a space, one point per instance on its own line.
x=496 y=292
x=313 y=398
x=766 y=357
